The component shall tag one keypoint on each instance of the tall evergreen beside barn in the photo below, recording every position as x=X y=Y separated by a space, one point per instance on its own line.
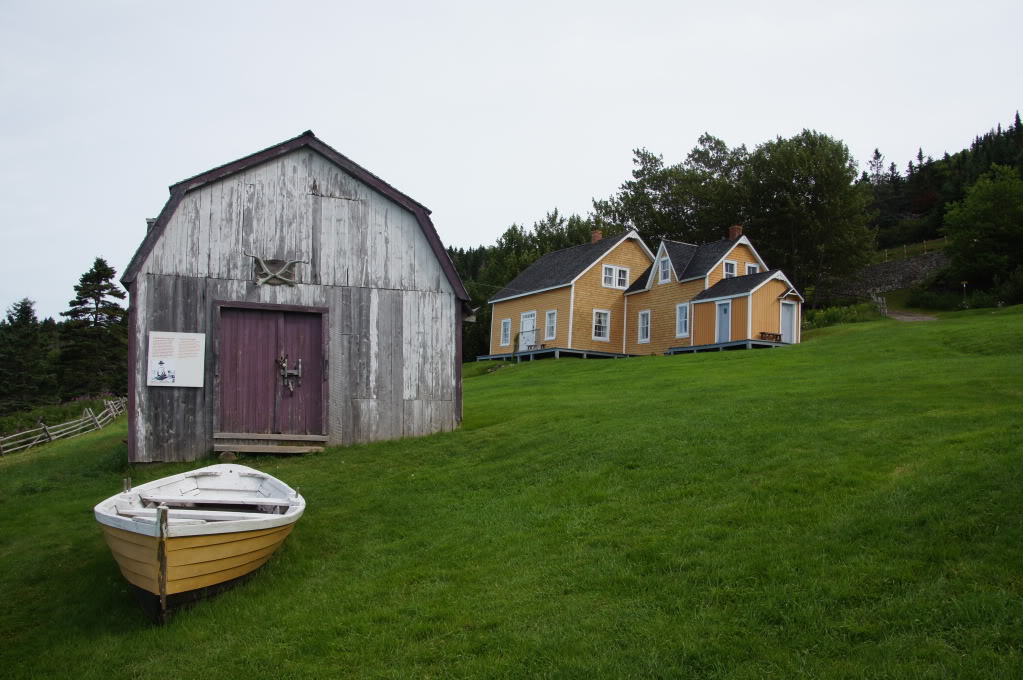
x=288 y=300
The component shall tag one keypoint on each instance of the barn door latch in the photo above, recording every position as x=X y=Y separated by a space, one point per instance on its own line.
x=288 y=373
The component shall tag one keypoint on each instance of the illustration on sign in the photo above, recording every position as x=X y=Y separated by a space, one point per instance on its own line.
x=176 y=359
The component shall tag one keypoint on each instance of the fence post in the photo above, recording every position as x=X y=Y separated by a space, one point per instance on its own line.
x=49 y=437
x=95 y=420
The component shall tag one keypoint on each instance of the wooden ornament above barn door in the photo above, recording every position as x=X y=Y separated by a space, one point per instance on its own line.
x=275 y=272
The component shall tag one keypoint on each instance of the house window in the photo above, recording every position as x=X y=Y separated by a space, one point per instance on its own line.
x=644 y=326
x=730 y=268
x=505 y=332
x=551 y=326
x=682 y=320
x=602 y=325
x=665 y=269
x=616 y=277
x=752 y=268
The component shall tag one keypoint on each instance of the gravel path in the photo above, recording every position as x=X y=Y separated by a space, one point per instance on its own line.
x=911 y=316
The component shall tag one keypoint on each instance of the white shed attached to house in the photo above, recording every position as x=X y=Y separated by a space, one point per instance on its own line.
x=285 y=301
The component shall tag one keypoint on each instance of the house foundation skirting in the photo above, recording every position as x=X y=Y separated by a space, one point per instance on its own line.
x=722 y=346
x=551 y=353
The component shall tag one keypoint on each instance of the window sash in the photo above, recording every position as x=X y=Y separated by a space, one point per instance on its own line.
x=644 y=326
x=601 y=325
x=729 y=270
x=615 y=277
x=505 y=332
x=665 y=271
x=681 y=320
x=752 y=268
x=551 y=325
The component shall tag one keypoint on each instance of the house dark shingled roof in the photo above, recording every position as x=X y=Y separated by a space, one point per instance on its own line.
x=737 y=285
x=703 y=258
x=556 y=269
x=681 y=254
x=688 y=261
x=640 y=282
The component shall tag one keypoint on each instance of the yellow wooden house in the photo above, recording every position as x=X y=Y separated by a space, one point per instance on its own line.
x=615 y=298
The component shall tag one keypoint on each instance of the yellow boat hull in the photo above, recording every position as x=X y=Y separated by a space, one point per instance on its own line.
x=193 y=562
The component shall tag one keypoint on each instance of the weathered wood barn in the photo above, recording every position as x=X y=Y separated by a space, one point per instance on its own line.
x=288 y=300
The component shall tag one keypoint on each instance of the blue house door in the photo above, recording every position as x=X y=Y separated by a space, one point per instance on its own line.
x=724 y=333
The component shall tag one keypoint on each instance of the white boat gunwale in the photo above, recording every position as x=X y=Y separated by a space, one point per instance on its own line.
x=106 y=511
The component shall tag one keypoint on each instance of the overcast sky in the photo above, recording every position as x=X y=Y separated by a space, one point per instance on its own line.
x=488 y=113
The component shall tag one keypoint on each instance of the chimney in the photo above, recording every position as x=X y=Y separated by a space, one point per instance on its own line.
x=150 y=221
x=734 y=232
x=596 y=235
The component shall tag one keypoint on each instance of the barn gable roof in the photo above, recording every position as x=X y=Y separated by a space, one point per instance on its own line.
x=306 y=140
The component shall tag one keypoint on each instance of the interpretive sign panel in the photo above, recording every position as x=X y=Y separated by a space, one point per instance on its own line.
x=175 y=359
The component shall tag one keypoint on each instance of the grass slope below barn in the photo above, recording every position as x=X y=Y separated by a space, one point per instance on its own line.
x=849 y=507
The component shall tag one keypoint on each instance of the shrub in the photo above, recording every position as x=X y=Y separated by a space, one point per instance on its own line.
x=832 y=316
x=923 y=298
x=1010 y=291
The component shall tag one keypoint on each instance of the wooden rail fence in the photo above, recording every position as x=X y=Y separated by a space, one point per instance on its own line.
x=47 y=433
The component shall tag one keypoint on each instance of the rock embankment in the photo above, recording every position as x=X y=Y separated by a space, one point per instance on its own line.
x=893 y=275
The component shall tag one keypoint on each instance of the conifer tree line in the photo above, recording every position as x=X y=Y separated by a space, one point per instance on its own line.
x=85 y=354
x=803 y=201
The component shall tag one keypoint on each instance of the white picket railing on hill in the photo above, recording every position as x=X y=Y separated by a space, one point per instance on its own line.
x=47 y=433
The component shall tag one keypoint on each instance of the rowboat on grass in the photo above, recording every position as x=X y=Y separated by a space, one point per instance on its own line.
x=187 y=536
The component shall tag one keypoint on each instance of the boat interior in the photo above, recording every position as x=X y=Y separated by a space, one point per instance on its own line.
x=208 y=496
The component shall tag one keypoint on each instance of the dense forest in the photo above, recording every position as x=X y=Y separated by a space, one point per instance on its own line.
x=805 y=203
x=82 y=355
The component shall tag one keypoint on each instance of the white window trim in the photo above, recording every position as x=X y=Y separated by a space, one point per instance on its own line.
x=717 y=326
x=689 y=313
x=593 y=325
x=639 y=327
x=547 y=324
x=522 y=317
x=505 y=324
x=615 y=269
x=660 y=270
x=724 y=269
x=754 y=265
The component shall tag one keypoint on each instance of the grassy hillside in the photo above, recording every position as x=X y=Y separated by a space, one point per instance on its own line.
x=845 y=508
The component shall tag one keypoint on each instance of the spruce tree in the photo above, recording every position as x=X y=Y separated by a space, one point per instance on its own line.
x=25 y=380
x=94 y=347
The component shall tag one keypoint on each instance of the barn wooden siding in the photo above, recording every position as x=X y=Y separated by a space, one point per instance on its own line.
x=393 y=364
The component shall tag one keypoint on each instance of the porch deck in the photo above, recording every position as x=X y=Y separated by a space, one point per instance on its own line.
x=551 y=353
x=723 y=346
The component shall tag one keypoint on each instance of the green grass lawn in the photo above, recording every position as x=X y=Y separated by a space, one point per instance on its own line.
x=847 y=508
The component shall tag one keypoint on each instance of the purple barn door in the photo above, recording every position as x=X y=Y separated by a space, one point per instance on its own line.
x=248 y=396
x=261 y=391
x=300 y=400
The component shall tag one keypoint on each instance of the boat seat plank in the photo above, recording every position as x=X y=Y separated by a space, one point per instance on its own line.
x=209 y=515
x=219 y=500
